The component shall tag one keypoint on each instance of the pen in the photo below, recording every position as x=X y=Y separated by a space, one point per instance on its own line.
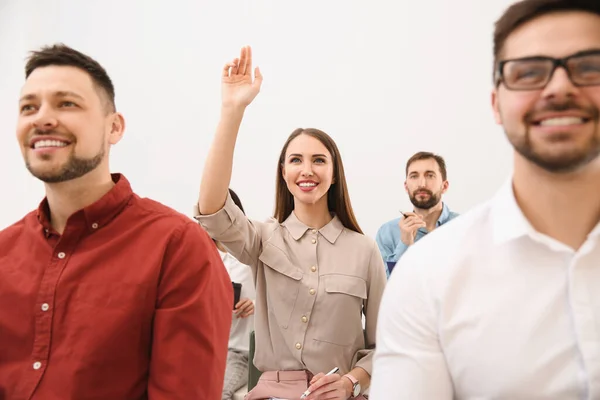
x=333 y=371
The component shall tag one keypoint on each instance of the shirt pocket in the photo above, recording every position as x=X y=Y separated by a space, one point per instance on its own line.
x=111 y=295
x=109 y=308
x=344 y=297
x=282 y=280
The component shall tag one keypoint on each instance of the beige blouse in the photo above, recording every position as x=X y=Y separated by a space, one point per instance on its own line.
x=312 y=288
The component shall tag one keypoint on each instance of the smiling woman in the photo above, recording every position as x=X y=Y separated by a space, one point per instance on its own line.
x=311 y=179
x=308 y=260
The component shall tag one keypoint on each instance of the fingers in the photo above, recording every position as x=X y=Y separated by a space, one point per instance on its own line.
x=258 y=78
x=240 y=303
x=245 y=64
x=317 y=377
x=231 y=68
x=236 y=66
x=226 y=68
x=248 y=64
x=409 y=222
x=243 y=60
x=411 y=219
x=331 y=390
x=245 y=313
x=412 y=222
x=244 y=308
x=322 y=382
x=242 y=66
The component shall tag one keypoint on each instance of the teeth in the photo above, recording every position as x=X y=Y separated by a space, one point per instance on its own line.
x=306 y=184
x=48 y=143
x=561 y=121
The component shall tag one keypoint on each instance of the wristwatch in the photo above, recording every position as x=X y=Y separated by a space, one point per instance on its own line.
x=355 y=385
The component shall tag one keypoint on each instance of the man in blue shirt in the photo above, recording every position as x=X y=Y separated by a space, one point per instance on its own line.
x=426 y=182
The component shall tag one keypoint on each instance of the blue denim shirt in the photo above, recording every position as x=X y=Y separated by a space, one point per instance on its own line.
x=388 y=238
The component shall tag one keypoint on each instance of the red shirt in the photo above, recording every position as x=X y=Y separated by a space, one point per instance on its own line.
x=131 y=302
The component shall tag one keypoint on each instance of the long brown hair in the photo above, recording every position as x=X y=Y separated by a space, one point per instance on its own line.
x=338 y=200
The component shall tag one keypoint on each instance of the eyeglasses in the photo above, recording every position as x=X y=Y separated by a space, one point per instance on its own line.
x=533 y=73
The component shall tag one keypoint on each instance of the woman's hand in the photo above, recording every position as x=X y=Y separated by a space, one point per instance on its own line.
x=237 y=87
x=329 y=387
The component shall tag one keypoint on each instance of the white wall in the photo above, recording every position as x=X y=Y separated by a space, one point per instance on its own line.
x=384 y=78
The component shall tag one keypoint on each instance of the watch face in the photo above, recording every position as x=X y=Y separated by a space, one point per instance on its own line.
x=356 y=390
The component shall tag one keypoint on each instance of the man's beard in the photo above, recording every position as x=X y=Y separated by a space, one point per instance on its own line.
x=432 y=201
x=74 y=168
x=565 y=161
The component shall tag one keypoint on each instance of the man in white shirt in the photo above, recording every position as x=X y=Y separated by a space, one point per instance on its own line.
x=504 y=303
x=236 y=372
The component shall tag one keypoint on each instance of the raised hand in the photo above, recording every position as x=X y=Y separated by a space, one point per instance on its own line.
x=238 y=89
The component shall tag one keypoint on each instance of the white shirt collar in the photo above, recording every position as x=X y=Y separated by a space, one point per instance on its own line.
x=508 y=221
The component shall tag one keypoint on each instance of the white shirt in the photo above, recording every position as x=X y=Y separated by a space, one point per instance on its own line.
x=239 y=336
x=485 y=307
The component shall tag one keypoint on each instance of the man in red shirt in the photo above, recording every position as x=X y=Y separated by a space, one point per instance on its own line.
x=103 y=294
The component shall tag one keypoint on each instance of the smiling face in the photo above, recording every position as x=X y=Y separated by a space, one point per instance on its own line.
x=555 y=127
x=307 y=170
x=64 y=129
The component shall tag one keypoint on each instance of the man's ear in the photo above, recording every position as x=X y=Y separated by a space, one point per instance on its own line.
x=496 y=106
x=117 y=128
x=445 y=186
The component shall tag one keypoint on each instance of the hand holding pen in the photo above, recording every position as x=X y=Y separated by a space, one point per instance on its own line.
x=409 y=225
x=329 y=383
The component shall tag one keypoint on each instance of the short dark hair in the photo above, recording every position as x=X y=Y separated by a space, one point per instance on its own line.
x=426 y=155
x=60 y=54
x=236 y=200
x=526 y=10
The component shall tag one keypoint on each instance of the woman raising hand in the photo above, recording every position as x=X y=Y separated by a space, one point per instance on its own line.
x=316 y=273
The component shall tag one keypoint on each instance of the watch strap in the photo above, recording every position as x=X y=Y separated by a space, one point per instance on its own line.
x=354 y=383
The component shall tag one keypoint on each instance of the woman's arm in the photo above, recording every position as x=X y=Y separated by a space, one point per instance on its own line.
x=238 y=91
x=215 y=210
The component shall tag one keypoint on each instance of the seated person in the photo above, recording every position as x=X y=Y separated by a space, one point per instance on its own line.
x=236 y=373
x=316 y=273
x=103 y=294
x=426 y=182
